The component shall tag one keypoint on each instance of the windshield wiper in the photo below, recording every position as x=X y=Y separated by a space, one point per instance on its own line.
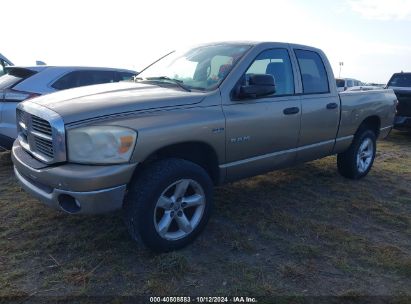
x=180 y=83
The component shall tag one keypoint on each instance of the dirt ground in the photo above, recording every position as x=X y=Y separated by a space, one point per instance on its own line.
x=303 y=231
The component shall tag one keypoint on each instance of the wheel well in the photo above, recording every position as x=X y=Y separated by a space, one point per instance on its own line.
x=371 y=123
x=199 y=153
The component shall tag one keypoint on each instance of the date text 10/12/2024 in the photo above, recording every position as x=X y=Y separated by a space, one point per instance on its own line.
x=203 y=300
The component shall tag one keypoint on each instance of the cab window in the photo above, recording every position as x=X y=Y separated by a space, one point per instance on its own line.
x=313 y=73
x=277 y=63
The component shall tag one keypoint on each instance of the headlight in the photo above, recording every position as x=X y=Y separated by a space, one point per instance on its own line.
x=100 y=144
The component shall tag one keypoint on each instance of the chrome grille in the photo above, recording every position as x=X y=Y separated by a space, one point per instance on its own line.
x=44 y=146
x=22 y=123
x=19 y=115
x=41 y=125
x=41 y=132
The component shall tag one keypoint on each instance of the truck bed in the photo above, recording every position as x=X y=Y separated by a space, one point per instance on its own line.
x=355 y=105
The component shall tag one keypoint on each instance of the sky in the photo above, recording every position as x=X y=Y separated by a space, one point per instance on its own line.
x=370 y=37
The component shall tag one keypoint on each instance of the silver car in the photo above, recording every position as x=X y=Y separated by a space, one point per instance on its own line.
x=22 y=83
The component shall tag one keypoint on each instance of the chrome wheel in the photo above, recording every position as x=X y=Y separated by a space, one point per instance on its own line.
x=179 y=209
x=365 y=155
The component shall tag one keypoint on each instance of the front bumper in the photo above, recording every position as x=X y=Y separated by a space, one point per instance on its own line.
x=402 y=123
x=73 y=188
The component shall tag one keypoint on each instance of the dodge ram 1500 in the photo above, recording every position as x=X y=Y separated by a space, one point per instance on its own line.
x=204 y=116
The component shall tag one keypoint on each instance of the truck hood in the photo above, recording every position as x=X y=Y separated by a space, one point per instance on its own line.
x=114 y=98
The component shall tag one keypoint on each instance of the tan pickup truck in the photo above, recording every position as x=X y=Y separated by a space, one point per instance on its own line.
x=205 y=116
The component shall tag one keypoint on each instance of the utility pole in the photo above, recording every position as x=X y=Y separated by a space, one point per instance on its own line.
x=341 y=64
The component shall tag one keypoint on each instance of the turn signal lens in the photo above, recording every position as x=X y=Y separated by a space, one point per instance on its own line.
x=126 y=142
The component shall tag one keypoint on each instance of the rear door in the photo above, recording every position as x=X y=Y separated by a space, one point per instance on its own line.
x=320 y=107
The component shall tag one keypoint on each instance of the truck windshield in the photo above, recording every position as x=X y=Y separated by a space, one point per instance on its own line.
x=202 y=68
x=400 y=80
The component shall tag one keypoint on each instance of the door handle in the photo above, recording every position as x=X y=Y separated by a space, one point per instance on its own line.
x=332 y=105
x=290 y=111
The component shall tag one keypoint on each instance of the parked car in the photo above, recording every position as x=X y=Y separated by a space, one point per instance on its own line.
x=202 y=117
x=401 y=84
x=22 y=83
x=345 y=83
x=4 y=62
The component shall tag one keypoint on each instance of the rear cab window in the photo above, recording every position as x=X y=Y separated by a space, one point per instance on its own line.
x=400 y=80
x=84 y=78
x=14 y=76
x=313 y=74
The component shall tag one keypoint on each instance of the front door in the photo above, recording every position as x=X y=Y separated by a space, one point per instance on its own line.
x=262 y=133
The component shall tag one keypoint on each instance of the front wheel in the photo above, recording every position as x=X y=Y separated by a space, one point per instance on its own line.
x=169 y=204
x=357 y=161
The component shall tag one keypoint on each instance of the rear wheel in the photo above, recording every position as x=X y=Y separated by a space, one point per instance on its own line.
x=168 y=204
x=357 y=161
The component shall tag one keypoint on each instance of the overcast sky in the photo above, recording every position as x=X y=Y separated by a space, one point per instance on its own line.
x=371 y=37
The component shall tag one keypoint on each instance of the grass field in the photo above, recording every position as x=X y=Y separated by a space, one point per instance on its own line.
x=300 y=231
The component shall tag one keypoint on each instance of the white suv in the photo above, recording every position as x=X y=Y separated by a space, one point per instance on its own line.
x=345 y=83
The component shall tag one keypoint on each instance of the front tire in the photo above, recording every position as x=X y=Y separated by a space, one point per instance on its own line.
x=168 y=204
x=356 y=162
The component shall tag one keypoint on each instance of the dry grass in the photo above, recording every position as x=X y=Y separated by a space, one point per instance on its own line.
x=295 y=232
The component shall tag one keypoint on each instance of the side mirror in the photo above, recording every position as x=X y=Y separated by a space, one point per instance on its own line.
x=257 y=85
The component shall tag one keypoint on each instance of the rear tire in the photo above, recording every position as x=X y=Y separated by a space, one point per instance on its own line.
x=356 y=162
x=168 y=204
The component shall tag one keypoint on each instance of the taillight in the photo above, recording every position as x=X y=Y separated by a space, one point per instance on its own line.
x=18 y=96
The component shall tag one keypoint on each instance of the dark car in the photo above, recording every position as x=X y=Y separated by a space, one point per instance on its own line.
x=401 y=84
